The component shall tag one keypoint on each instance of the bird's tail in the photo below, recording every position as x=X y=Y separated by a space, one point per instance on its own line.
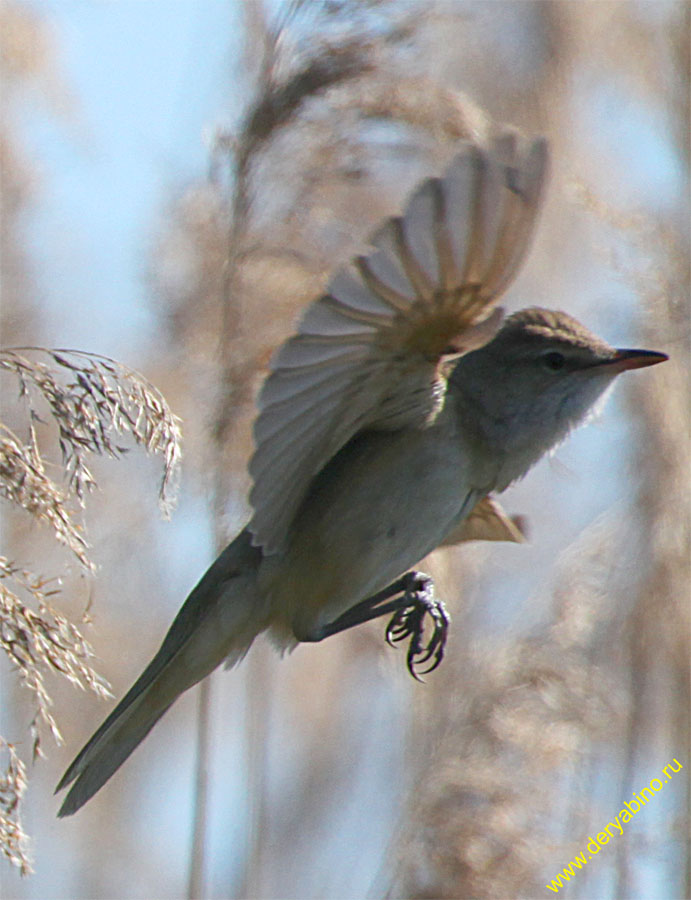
x=218 y=622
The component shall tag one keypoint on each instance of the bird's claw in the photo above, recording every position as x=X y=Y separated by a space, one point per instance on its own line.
x=409 y=621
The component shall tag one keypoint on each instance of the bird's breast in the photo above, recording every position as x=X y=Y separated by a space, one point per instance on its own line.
x=382 y=504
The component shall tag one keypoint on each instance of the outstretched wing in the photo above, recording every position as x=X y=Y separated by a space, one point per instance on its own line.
x=367 y=353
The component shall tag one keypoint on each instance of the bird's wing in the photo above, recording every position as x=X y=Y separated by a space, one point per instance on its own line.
x=366 y=354
x=487 y=521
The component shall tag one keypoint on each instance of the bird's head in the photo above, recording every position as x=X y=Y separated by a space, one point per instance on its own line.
x=540 y=377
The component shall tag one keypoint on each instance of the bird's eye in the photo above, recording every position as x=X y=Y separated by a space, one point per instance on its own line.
x=554 y=361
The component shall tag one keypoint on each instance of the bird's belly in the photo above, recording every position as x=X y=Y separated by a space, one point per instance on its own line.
x=383 y=504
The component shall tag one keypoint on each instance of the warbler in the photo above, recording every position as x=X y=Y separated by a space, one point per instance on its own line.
x=385 y=427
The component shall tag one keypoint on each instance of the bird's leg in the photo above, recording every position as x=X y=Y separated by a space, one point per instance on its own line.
x=410 y=599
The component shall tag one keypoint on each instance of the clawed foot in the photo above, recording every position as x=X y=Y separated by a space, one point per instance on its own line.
x=411 y=599
x=409 y=621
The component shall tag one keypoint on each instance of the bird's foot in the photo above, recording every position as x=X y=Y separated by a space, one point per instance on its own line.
x=410 y=621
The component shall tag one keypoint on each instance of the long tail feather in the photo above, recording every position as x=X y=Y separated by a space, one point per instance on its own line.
x=218 y=622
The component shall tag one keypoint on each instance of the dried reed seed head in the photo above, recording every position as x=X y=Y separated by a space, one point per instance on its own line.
x=13 y=782
x=24 y=482
x=90 y=400
x=40 y=641
x=99 y=399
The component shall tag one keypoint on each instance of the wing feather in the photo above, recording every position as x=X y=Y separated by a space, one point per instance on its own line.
x=284 y=411
x=526 y=185
x=415 y=233
x=366 y=354
x=333 y=319
x=383 y=274
x=293 y=382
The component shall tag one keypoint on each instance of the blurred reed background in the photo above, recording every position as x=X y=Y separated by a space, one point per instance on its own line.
x=565 y=687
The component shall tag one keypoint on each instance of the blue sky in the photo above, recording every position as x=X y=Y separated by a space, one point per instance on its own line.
x=150 y=80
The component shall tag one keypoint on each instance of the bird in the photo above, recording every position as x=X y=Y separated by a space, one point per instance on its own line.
x=403 y=404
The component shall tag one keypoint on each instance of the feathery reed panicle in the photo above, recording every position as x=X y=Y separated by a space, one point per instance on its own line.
x=91 y=402
x=98 y=400
x=13 y=840
x=42 y=640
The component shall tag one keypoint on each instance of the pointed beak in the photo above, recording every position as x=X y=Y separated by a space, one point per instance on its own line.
x=632 y=359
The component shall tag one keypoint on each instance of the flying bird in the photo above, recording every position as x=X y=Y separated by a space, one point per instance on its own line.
x=387 y=424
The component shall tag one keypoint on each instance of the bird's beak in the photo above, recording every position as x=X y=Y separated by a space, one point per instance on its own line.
x=632 y=359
